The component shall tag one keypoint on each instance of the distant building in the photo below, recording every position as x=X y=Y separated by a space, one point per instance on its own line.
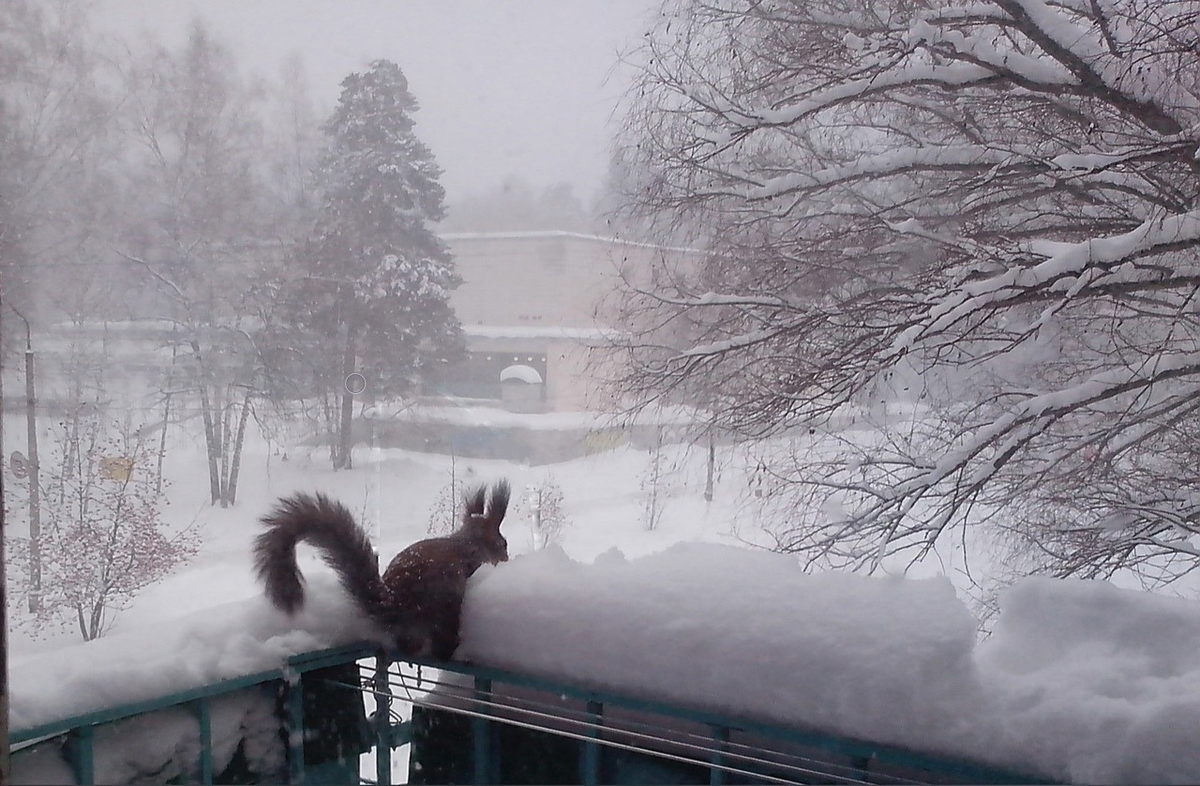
x=533 y=305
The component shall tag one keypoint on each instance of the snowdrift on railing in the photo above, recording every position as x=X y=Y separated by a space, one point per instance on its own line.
x=1079 y=681
x=226 y=641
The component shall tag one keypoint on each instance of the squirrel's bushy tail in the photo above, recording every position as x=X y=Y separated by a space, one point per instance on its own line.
x=329 y=527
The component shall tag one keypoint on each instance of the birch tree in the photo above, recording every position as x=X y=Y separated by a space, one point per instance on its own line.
x=203 y=234
x=57 y=151
x=992 y=204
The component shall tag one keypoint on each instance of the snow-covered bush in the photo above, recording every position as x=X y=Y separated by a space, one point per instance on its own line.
x=102 y=536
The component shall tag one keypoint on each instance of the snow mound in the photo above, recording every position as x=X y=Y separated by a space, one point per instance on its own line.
x=1080 y=681
x=727 y=628
x=226 y=641
x=1103 y=683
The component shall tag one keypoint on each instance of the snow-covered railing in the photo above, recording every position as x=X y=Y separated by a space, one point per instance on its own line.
x=606 y=730
x=1078 y=681
x=79 y=738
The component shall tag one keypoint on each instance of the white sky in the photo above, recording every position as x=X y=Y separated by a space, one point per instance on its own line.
x=521 y=87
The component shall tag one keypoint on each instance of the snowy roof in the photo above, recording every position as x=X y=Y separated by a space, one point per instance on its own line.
x=547 y=234
x=470 y=413
x=541 y=331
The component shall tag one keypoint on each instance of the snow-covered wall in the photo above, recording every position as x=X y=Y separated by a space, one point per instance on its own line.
x=1079 y=681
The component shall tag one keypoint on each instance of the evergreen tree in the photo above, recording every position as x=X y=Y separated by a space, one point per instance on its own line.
x=372 y=284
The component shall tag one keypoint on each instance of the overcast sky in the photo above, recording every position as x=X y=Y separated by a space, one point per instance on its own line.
x=521 y=87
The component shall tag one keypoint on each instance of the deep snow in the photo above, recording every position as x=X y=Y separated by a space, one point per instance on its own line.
x=1078 y=680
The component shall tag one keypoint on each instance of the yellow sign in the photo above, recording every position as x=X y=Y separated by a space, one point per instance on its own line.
x=116 y=468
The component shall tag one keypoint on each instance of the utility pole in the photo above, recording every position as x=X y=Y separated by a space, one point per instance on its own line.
x=35 y=508
x=4 y=760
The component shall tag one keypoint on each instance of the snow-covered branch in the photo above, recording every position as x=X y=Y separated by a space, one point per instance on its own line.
x=985 y=214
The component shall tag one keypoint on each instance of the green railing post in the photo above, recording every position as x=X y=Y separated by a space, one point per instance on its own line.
x=81 y=753
x=716 y=773
x=203 y=710
x=383 y=722
x=481 y=734
x=294 y=702
x=589 y=760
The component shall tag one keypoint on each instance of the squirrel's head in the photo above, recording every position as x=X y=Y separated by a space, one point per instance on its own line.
x=482 y=516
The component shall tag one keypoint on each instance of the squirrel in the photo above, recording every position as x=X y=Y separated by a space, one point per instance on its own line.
x=418 y=599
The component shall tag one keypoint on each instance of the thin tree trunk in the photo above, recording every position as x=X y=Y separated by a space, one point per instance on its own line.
x=236 y=460
x=345 y=435
x=97 y=620
x=83 y=631
x=162 y=442
x=712 y=465
x=210 y=429
x=330 y=427
x=162 y=446
x=226 y=443
x=70 y=458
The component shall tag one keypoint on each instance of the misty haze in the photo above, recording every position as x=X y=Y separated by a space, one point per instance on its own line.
x=705 y=391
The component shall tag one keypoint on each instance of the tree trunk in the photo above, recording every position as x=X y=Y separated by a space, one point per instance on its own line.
x=345 y=441
x=712 y=464
x=83 y=631
x=210 y=430
x=236 y=459
x=162 y=442
x=162 y=446
x=96 y=620
x=226 y=443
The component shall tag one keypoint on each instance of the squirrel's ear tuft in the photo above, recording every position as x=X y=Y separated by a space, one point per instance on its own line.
x=473 y=500
x=498 y=504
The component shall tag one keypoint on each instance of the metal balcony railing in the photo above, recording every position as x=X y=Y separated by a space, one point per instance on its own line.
x=473 y=724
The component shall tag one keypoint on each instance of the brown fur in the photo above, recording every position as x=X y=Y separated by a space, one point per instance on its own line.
x=419 y=597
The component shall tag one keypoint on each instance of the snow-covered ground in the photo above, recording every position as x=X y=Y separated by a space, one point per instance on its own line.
x=1078 y=680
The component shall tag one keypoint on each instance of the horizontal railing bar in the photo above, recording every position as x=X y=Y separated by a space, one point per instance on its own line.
x=704 y=743
x=557 y=712
x=628 y=727
x=826 y=770
x=624 y=746
x=561 y=714
x=845 y=745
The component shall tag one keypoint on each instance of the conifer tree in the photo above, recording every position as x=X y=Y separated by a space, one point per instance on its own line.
x=372 y=283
